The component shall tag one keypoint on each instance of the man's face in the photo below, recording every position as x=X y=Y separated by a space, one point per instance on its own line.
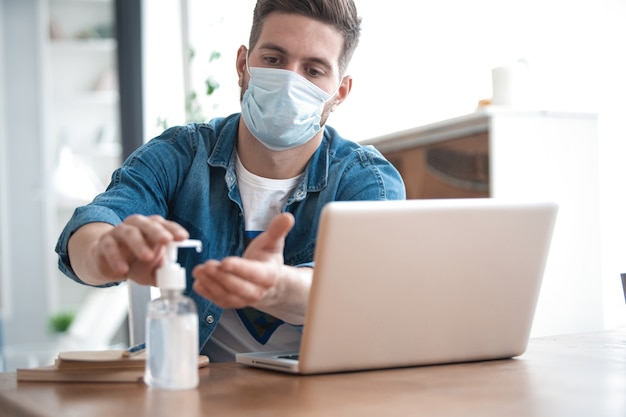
x=302 y=45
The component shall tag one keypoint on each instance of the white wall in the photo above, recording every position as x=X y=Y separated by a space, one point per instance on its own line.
x=162 y=69
x=439 y=55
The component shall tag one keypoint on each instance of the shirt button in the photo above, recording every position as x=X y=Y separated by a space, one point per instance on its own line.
x=210 y=319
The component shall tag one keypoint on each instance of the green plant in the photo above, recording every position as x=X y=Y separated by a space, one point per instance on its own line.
x=193 y=109
x=60 y=322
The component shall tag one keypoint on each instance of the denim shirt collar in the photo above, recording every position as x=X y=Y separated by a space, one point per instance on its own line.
x=314 y=178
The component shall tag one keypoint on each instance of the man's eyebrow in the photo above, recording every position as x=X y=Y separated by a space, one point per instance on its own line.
x=273 y=47
x=283 y=51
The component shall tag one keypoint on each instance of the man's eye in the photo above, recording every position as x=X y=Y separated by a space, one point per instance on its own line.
x=271 y=60
x=314 y=72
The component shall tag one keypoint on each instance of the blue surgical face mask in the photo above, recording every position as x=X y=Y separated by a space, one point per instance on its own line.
x=281 y=108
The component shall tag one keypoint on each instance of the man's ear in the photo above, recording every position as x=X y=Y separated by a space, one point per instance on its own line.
x=343 y=91
x=240 y=63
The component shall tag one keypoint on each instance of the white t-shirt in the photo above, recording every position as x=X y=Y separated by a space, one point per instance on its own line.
x=263 y=199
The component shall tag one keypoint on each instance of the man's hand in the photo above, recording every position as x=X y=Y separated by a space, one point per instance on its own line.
x=259 y=278
x=101 y=253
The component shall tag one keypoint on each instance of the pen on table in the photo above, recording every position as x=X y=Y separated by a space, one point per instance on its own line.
x=134 y=350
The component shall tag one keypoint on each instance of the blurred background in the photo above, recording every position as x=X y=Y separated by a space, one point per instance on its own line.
x=418 y=63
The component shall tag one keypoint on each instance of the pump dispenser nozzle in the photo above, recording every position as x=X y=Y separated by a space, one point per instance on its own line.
x=172 y=248
x=171 y=275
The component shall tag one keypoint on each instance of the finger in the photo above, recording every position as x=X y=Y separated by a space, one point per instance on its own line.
x=258 y=274
x=220 y=287
x=213 y=291
x=226 y=289
x=280 y=226
x=144 y=272
x=179 y=232
x=144 y=236
x=272 y=240
x=157 y=230
x=114 y=259
x=137 y=238
x=221 y=298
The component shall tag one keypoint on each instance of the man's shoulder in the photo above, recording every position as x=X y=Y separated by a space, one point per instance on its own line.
x=219 y=123
x=213 y=126
x=341 y=147
x=200 y=134
x=357 y=164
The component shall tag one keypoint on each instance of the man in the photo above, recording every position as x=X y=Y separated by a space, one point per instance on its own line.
x=250 y=186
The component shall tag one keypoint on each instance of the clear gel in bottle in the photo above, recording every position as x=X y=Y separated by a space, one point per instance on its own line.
x=172 y=328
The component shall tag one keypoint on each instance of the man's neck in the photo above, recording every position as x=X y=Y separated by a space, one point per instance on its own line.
x=266 y=163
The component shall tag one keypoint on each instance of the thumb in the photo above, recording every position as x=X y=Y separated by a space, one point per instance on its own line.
x=280 y=226
x=272 y=240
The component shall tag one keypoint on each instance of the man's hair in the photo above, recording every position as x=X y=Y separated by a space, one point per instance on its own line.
x=340 y=14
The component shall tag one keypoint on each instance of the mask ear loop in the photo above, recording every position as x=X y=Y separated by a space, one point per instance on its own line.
x=336 y=90
x=247 y=67
x=332 y=95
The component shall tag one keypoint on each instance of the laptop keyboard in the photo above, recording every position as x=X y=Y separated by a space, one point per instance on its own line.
x=292 y=357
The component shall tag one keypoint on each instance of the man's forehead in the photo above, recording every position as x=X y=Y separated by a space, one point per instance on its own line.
x=295 y=34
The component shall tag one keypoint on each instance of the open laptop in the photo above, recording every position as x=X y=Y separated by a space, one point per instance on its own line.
x=420 y=282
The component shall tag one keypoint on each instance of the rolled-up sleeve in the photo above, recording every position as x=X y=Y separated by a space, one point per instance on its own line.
x=82 y=216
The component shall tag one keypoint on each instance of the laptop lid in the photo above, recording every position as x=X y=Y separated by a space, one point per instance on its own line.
x=420 y=282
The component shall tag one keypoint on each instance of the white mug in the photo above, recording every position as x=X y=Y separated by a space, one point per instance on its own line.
x=511 y=84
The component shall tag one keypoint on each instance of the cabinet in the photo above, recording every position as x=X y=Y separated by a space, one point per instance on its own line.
x=82 y=114
x=457 y=167
x=521 y=155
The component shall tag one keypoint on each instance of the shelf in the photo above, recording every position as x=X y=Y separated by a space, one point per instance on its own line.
x=466 y=125
x=80 y=2
x=90 y=98
x=83 y=45
x=84 y=96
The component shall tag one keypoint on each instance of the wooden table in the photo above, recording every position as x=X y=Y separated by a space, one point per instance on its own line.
x=573 y=375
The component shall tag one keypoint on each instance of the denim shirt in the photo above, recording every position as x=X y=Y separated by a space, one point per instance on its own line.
x=187 y=175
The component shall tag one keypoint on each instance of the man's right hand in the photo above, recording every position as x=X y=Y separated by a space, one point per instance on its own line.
x=100 y=253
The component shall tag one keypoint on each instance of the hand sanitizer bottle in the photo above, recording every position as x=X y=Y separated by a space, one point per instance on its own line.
x=172 y=328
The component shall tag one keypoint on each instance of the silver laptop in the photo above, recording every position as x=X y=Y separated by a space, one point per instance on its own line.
x=420 y=282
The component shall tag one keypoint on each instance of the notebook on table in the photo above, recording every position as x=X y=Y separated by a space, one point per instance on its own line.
x=420 y=282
